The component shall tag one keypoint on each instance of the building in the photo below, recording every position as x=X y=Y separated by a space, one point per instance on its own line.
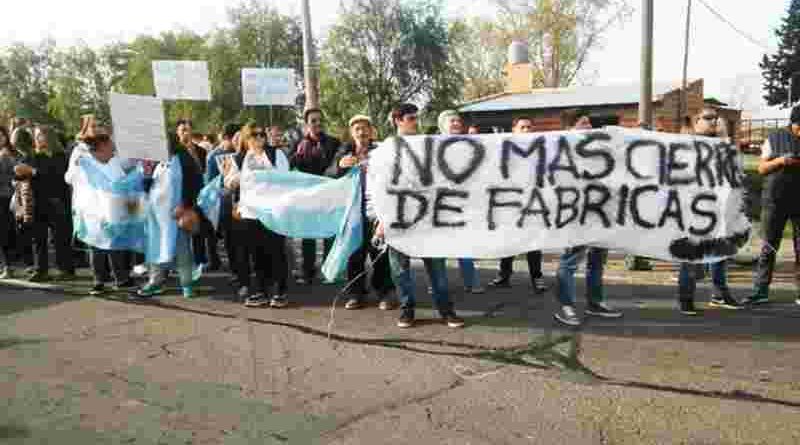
x=612 y=103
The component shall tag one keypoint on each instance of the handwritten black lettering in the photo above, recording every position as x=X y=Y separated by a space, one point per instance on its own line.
x=423 y=166
x=422 y=209
x=535 y=206
x=594 y=205
x=562 y=194
x=583 y=150
x=493 y=203
x=475 y=160
x=439 y=207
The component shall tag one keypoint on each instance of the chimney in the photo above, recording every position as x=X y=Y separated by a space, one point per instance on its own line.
x=518 y=68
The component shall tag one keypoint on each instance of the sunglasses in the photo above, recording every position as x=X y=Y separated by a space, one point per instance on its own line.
x=260 y=134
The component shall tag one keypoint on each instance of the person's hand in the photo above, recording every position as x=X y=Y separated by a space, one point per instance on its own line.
x=149 y=166
x=227 y=166
x=379 y=231
x=348 y=161
x=23 y=171
x=790 y=162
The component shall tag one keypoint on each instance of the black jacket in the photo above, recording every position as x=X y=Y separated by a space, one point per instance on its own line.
x=317 y=163
x=191 y=178
x=334 y=171
x=48 y=183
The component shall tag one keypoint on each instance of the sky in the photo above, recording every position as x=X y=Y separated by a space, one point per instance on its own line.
x=726 y=60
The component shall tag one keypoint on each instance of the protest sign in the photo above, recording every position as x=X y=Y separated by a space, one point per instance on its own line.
x=139 y=127
x=181 y=79
x=268 y=86
x=667 y=196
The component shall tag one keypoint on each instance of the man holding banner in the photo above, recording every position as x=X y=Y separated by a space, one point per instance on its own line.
x=404 y=118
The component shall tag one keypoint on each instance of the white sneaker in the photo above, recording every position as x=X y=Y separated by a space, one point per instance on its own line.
x=139 y=270
x=475 y=290
x=568 y=316
x=243 y=292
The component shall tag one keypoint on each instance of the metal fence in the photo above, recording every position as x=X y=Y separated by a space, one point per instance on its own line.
x=753 y=132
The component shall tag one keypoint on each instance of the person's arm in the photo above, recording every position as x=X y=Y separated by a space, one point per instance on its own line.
x=767 y=163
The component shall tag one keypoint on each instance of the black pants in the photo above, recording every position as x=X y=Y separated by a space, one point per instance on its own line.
x=310 y=255
x=773 y=221
x=244 y=252
x=270 y=259
x=119 y=261
x=226 y=223
x=381 y=280
x=52 y=214
x=204 y=244
x=534 y=266
x=7 y=229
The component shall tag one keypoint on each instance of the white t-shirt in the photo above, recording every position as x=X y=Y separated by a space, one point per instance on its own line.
x=255 y=162
x=766 y=150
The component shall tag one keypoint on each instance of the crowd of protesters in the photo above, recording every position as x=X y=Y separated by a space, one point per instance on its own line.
x=35 y=213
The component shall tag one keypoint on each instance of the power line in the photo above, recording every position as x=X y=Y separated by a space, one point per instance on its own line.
x=739 y=31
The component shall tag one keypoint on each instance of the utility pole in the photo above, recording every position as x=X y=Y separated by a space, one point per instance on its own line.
x=310 y=67
x=646 y=99
x=684 y=105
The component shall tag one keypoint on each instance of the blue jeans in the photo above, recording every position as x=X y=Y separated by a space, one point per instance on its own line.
x=403 y=277
x=687 y=279
x=184 y=263
x=468 y=272
x=568 y=264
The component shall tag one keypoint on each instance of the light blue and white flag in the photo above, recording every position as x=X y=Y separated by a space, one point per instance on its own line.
x=300 y=205
x=108 y=206
x=161 y=227
x=210 y=201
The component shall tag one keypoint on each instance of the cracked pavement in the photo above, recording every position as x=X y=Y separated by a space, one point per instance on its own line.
x=99 y=370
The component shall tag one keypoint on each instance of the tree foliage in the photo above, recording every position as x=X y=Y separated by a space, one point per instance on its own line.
x=382 y=52
x=784 y=65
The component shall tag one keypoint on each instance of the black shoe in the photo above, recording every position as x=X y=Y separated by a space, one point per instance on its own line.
x=257 y=300
x=406 y=319
x=500 y=282
x=687 y=308
x=452 y=320
x=602 y=310
x=354 y=303
x=539 y=286
x=39 y=277
x=125 y=285
x=64 y=276
x=97 y=289
x=726 y=301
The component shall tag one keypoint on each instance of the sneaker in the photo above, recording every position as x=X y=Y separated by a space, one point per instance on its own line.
x=139 y=270
x=64 y=276
x=726 y=301
x=568 y=316
x=474 y=290
x=125 y=285
x=406 y=319
x=539 y=285
x=187 y=292
x=279 y=301
x=39 y=277
x=387 y=304
x=757 y=299
x=243 y=292
x=797 y=302
x=602 y=309
x=452 y=320
x=500 y=282
x=353 y=303
x=5 y=273
x=197 y=272
x=150 y=290
x=687 y=308
x=97 y=289
x=257 y=300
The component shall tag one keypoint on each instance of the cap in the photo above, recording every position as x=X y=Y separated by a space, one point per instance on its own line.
x=359 y=118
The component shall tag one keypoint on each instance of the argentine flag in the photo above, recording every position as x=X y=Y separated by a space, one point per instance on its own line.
x=300 y=205
x=108 y=208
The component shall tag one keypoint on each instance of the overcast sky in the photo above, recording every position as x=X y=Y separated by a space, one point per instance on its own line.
x=726 y=60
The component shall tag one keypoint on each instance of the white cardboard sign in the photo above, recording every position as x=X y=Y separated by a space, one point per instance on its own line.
x=139 y=126
x=268 y=86
x=181 y=80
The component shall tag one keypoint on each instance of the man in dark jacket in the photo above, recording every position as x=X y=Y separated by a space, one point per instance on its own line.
x=313 y=154
x=351 y=155
x=780 y=166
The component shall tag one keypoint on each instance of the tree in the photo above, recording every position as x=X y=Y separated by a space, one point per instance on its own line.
x=24 y=75
x=382 y=52
x=482 y=71
x=560 y=33
x=779 y=68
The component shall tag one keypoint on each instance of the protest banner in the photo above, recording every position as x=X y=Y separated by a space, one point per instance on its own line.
x=666 y=196
x=268 y=86
x=139 y=126
x=181 y=79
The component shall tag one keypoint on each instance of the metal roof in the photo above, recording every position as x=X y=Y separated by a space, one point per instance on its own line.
x=580 y=96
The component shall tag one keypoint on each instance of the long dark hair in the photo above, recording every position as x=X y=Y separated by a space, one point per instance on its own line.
x=4 y=130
